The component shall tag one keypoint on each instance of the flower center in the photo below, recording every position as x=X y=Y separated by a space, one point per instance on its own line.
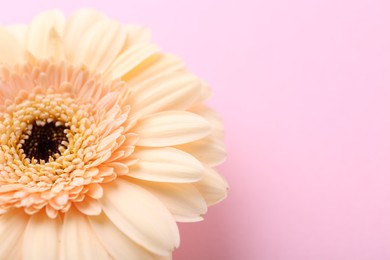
x=42 y=140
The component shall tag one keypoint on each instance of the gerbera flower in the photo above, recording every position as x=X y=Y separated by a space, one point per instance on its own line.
x=104 y=142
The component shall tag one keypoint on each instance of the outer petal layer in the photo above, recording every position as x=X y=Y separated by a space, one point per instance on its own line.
x=76 y=27
x=117 y=243
x=176 y=91
x=78 y=239
x=140 y=216
x=166 y=165
x=12 y=226
x=41 y=30
x=171 y=128
x=41 y=237
x=184 y=201
x=212 y=186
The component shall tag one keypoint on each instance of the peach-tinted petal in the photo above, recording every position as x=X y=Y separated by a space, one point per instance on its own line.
x=41 y=30
x=170 y=128
x=55 y=46
x=212 y=186
x=100 y=45
x=183 y=200
x=89 y=207
x=166 y=165
x=210 y=115
x=41 y=230
x=140 y=216
x=130 y=58
x=209 y=150
x=116 y=242
x=168 y=257
x=19 y=31
x=176 y=91
x=137 y=35
x=12 y=225
x=10 y=48
x=78 y=241
x=154 y=67
x=95 y=191
x=77 y=25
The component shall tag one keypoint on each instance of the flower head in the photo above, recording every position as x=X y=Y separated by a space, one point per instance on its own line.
x=104 y=142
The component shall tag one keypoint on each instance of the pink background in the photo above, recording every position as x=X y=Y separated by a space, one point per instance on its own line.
x=304 y=89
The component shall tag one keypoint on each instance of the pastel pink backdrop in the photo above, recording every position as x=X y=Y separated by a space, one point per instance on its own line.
x=304 y=89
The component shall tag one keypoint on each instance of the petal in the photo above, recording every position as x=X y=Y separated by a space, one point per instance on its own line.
x=100 y=45
x=159 y=257
x=12 y=226
x=40 y=32
x=89 y=207
x=19 y=31
x=95 y=191
x=176 y=91
x=131 y=58
x=55 y=47
x=42 y=237
x=165 y=165
x=184 y=201
x=212 y=186
x=117 y=244
x=154 y=67
x=170 y=128
x=108 y=101
x=209 y=114
x=140 y=216
x=137 y=34
x=76 y=27
x=209 y=150
x=10 y=48
x=15 y=252
x=78 y=239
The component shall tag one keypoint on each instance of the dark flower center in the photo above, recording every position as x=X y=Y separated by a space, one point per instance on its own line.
x=44 y=141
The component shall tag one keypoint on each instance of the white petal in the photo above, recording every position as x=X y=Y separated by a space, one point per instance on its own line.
x=170 y=128
x=40 y=31
x=42 y=237
x=79 y=242
x=76 y=27
x=117 y=244
x=12 y=226
x=130 y=58
x=100 y=45
x=165 y=165
x=176 y=91
x=212 y=186
x=10 y=49
x=140 y=216
x=184 y=201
